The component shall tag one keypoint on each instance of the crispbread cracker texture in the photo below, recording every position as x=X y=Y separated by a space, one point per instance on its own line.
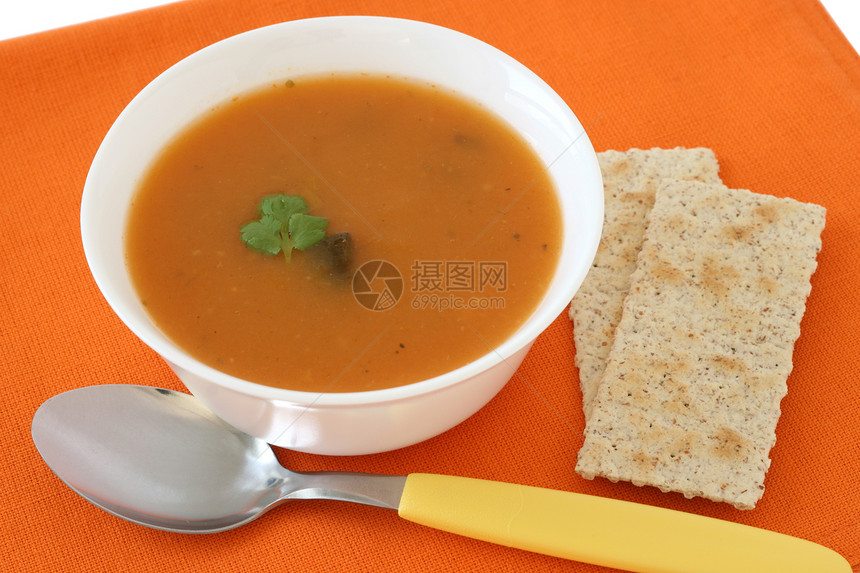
x=689 y=400
x=630 y=179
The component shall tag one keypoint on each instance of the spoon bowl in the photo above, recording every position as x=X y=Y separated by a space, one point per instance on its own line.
x=159 y=458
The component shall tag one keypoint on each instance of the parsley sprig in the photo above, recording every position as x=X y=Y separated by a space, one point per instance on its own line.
x=283 y=225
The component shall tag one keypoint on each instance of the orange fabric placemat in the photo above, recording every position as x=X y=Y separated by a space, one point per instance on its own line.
x=772 y=87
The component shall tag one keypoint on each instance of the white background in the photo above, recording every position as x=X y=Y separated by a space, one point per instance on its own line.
x=20 y=17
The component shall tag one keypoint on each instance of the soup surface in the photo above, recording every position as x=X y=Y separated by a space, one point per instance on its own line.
x=453 y=206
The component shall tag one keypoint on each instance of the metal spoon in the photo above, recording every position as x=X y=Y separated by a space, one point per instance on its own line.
x=159 y=458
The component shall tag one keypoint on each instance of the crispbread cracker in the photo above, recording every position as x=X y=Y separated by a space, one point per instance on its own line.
x=630 y=179
x=689 y=400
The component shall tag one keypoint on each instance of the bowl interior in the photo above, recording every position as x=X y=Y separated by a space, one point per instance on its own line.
x=400 y=48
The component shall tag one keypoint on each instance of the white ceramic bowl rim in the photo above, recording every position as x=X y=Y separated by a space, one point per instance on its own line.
x=561 y=290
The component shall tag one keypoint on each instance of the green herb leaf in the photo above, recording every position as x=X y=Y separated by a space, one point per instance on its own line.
x=263 y=235
x=306 y=230
x=282 y=207
x=284 y=225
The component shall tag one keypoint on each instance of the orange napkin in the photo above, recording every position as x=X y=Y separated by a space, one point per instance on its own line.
x=773 y=88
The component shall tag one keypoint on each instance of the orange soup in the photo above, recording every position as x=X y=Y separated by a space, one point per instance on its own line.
x=443 y=233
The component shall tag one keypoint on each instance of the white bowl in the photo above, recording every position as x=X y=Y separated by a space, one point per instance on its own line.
x=360 y=422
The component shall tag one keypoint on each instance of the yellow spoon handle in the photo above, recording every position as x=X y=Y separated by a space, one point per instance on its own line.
x=604 y=531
